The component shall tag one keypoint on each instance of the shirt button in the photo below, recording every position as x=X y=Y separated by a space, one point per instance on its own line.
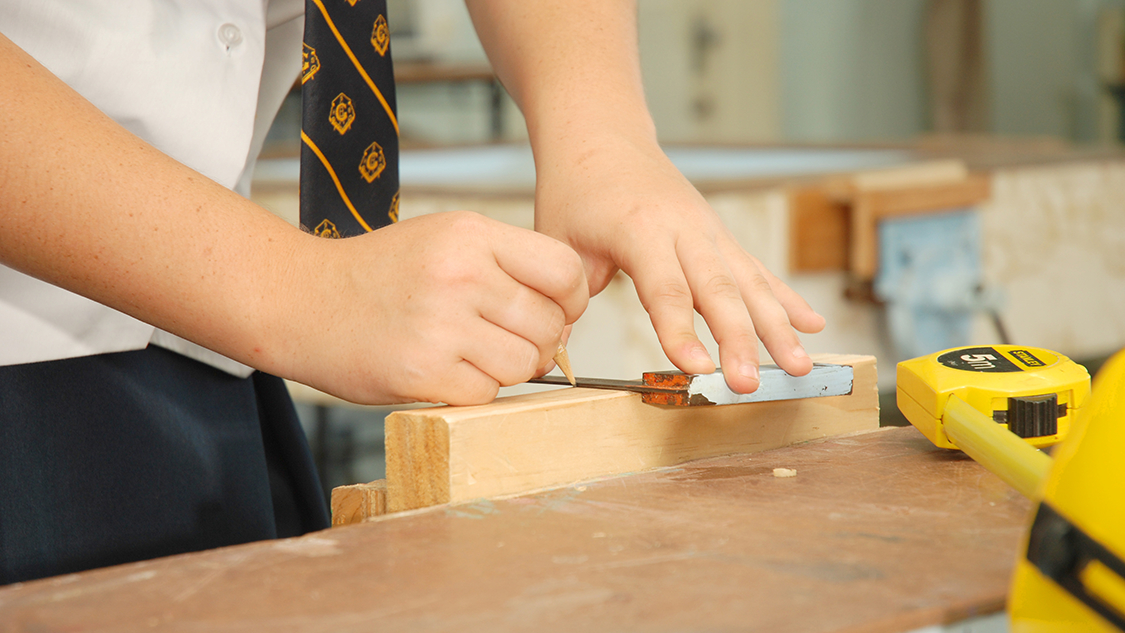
x=230 y=35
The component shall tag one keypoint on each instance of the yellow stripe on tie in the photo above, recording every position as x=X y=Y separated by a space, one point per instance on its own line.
x=332 y=172
x=362 y=72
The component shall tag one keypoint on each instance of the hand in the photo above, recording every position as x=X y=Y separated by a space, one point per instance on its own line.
x=622 y=205
x=441 y=308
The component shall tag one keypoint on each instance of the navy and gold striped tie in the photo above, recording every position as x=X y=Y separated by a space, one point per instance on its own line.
x=349 y=130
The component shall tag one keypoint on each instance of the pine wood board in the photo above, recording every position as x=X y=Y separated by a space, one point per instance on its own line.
x=542 y=440
x=353 y=504
x=879 y=532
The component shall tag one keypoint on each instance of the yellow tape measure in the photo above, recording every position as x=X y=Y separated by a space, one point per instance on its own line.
x=996 y=404
x=1035 y=392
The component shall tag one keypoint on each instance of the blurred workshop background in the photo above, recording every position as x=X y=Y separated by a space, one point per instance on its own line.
x=927 y=173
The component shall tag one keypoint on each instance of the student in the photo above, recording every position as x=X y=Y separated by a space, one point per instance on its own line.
x=128 y=132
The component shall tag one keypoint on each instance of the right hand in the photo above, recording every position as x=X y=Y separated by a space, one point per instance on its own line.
x=441 y=308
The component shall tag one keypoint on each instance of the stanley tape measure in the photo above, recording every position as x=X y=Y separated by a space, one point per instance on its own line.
x=998 y=404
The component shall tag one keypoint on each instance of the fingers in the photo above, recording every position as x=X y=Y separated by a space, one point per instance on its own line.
x=543 y=264
x=720 y=300
x=466 y=305
x=521 y=303
x=502 y=356
x=801 y=314
x=771 y=316
x=465 y=384
x=538 y=287
x=666 y=296
x=527 y=314
x=740 y=301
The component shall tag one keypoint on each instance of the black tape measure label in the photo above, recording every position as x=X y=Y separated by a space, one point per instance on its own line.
x=984 y=359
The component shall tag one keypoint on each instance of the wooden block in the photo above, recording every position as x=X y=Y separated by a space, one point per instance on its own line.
x=922 y=199
x=818 y=231
x=549 y=439
x=353 y=504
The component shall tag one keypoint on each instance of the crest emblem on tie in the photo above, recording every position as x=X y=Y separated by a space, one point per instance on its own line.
x=381 y=35
x=342 y=114
x=373 y=163
x=393 y=213
x=310 y=63
x=326 y=229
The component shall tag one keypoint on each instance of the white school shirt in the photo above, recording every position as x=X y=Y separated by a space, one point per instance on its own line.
x=201 y=80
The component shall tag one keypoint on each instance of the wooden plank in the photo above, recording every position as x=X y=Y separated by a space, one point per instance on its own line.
x=923 y=199
x=933 y=173
x=542 y=440
x=353 y=504
x=879 y=532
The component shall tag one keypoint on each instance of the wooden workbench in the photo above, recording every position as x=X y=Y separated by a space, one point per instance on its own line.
x=877 y=532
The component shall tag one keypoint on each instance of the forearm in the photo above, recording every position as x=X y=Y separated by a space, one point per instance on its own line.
x=571 y=66
x=442 y=308
x=89 y=207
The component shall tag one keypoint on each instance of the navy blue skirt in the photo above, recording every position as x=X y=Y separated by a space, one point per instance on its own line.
x=121 y=457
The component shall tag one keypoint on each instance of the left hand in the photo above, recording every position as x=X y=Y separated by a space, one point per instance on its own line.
x=621 y=204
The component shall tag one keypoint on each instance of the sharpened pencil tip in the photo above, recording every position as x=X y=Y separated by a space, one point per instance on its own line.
x=562 y=359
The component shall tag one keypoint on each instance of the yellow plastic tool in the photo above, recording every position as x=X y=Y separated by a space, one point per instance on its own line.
x=997 y=403
x=1033 y=392
x=1019 y=464
x=1071 y=572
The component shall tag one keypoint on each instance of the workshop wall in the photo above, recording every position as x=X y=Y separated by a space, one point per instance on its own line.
x=799 y=70
x=851 y=70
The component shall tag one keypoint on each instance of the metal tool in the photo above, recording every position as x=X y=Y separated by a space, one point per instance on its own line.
x=678 y=389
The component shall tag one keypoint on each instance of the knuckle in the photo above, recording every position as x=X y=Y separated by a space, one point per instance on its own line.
x=465 y=388
x=576 y=269
x=758 y=284
x=567 y=273
x=741 y=338
x=523 y=363
x=721 y=286
x=671 y=293
x=484 y=392
x=461 y=221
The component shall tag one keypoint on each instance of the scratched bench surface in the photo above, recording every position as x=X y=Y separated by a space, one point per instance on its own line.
x=877 y=532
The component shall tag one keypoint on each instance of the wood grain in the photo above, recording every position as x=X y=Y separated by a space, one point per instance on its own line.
x=878 y=533
x=353 y=504
x=542 y=440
